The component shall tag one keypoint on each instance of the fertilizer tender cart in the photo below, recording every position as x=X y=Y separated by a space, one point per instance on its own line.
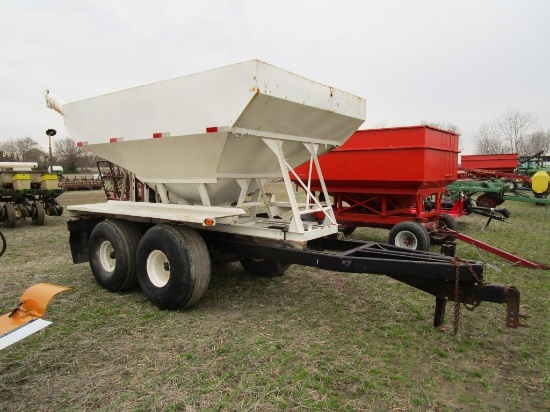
x=392 y=178
x=197 y=152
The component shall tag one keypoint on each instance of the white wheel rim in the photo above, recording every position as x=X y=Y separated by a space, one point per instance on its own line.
x=158 y=268
x=106 y=250
x=406 y=239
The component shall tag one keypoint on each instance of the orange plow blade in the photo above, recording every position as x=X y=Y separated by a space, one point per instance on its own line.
x=26 y=318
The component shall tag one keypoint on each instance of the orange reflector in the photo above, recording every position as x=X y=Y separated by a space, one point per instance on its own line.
x=209 y=222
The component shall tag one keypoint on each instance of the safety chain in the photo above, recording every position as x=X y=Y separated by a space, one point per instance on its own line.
x=457 y=261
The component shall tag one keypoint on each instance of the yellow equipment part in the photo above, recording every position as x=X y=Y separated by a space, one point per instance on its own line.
x=540 y=182
x=26 y=317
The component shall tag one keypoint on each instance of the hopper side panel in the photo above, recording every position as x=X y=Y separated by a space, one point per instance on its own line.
x=288 y=86
x=275 y=115
x=180 y=106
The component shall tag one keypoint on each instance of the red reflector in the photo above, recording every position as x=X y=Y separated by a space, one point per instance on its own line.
x=211 y=130
x=157 y=135
x=112 y=140
x=79 y=144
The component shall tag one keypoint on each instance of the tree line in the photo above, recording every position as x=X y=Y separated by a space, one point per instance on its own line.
x=65 y=152
x=512 y=132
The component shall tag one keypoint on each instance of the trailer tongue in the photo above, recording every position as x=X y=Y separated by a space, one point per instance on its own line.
x=198 y=154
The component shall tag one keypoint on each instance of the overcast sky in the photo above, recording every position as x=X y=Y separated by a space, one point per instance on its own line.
x=464 y=62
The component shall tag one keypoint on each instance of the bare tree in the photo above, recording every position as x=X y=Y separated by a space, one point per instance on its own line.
x=514 y=127
x=18 y=148
x=538 y=141
x=68 y=153
x=8 y=150
x=451 y=127
x=488 y=141
x=35 y=155
x=509 y=133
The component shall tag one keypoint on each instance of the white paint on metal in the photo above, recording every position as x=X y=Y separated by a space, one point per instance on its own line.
x=21 y=166
x=245 y=102
x=106 y=256
x=54 y=102
x=260 y=122
x=161 y=211
x=158 y=268
x=203 y=194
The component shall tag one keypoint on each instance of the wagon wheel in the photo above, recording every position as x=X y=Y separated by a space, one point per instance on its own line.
x=173 y=266
x=511 y=184
x=348 y=230
x=38 y=214
x=410 y=235
x=51 y=210
x=9 y=216
x=23 y=210
x=445 y=222
x=112 y=252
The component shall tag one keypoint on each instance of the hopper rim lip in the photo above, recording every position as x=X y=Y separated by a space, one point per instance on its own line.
x=258 y=62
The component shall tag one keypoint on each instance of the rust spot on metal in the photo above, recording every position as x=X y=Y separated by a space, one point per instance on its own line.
x=255 y=89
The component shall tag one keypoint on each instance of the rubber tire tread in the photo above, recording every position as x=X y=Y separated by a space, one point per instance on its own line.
x=10 y=216
x=449 y=223
x=39 y=215
x=418 y=230
x=124 y=237
x=190 y=266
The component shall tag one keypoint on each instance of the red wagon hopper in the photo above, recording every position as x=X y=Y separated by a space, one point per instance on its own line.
x=393 y=178
x=499 y=162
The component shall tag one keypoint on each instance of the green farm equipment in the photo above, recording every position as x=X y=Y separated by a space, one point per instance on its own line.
x=27 y=194
x=491 y=193
x=487 y=172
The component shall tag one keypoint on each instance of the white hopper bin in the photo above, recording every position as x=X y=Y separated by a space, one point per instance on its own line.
x=209 y=139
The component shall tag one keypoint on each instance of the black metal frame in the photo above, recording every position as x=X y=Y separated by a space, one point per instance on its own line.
x=431 y=273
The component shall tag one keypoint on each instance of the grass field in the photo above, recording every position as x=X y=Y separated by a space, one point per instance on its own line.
x=310 y=340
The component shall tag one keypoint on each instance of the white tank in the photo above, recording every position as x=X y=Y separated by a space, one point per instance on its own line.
x=209 y=128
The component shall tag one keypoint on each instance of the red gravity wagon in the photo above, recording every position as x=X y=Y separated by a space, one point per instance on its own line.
x=392 y=178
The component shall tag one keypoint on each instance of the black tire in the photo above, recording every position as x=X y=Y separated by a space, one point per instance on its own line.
x=4 y=244
x=173 y=266
x=264 y=267
x=51 y=210
x=348 y=230
x=540 y=196
x=445 y=222
x=23 y=211
x=9 y=217
x=112 y=252
x=38 y=214
x=511 y=184
x=410 y=235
